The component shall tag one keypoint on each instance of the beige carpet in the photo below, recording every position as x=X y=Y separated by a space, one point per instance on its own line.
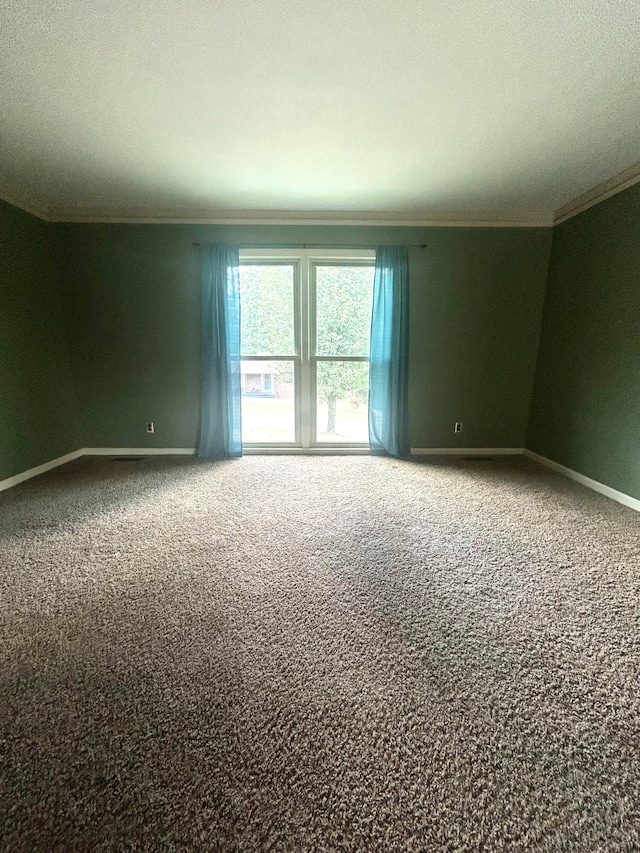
x=318 y=654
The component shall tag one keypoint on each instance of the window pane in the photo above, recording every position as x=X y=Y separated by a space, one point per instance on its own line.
x=341 y=412
x=268 y=401
x=266 y=303
x=343 y=310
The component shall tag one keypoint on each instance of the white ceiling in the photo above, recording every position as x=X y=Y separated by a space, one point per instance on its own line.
x=413 y=109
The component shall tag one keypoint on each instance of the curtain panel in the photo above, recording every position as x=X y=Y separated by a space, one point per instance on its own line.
x=220 y=428
x=389 y=354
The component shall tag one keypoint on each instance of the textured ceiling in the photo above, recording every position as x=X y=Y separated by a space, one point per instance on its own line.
x=424 y=108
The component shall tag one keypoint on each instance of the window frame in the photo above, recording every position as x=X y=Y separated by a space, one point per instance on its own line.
x=305 y=261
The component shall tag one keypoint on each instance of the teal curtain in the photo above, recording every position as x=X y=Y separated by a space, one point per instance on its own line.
x=220 y=431
x=389 y=354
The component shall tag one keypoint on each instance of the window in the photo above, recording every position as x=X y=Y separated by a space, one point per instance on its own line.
x=305 y=325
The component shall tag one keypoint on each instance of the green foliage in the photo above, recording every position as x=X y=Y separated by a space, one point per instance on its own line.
x=343 y=319
x=342 y=380
x=343 y=310
x=266 y=309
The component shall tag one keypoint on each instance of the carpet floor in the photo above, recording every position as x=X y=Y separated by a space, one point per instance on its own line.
x=318 y=654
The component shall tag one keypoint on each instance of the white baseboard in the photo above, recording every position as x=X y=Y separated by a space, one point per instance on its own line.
x=306 y=451
x=190 y=451
x=467 y=451
x=334 y=450
x=94 y=451
x=607 y=491
x=138 y=451
x=39 y=469
x=601 y=488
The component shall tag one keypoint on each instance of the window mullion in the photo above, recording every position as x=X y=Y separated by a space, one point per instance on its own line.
x=306 y=379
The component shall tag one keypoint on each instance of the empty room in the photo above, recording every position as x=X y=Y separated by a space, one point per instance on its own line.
x=320 y=426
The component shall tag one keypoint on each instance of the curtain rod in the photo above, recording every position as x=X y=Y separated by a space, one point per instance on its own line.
x=310 y=246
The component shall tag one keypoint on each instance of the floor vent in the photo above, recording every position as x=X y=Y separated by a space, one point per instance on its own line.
x=127 y=458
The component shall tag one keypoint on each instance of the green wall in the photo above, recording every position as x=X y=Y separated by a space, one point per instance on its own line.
x=586 y=407
x=37 y=401
x=131 y=295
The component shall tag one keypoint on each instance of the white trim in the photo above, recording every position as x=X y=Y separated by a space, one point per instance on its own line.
x=290 y=254
x=408 y=219
x=305 y=262
x=606 y=189
x=330 y=450
x=138 y=451
x=39 y=469
x=397 y=218
x=24 y=204
x=467 y=451
x=607 y=491
x=166 y=451
x=267 y=450
x=601 y=488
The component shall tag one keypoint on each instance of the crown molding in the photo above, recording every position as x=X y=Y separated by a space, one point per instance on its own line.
x=408 y=219
x=413 y=219
x=24 y=203
x=286 y=217
x=622 y=181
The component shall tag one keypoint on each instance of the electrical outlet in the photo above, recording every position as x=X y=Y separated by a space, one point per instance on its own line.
x=151 y=427
x=458 y=426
